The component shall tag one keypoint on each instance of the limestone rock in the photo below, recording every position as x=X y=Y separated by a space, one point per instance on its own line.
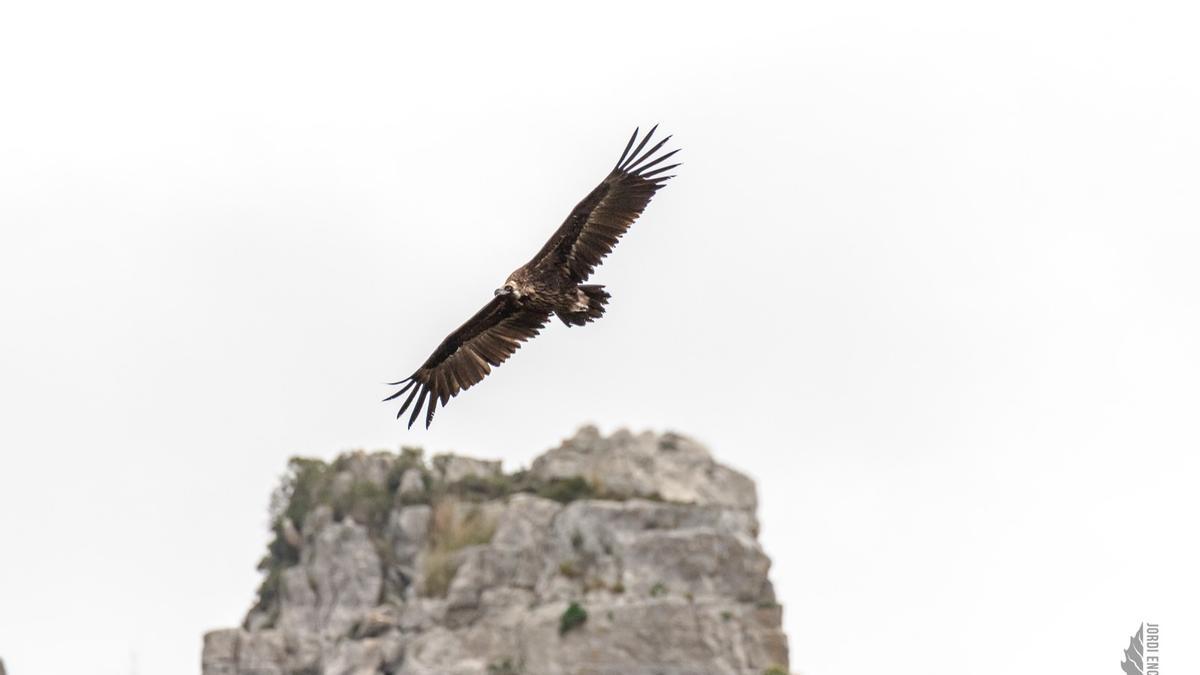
x=667 y=567
x=650 y=636
x=378 y=654
x=407 y=530
x=361 y=467
x=267 y=652
x=219 y=656
x=670 y=466
x=412 y=485
x=377 y=621
x=339 y=578
x=451 y=468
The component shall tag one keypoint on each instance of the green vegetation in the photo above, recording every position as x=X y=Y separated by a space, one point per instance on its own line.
x=504 y=667
x=569 y=569
x=483 y=488
x=452 y=529
x=658 y=589
x=410 y=458
x=566 y=490
x=775 y=670
x=562 y=490
x=440 y=568
x=300 y=490
x=571 y=619
x=364 y=502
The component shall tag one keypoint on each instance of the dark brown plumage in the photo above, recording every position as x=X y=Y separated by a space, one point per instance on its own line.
x=549 y=284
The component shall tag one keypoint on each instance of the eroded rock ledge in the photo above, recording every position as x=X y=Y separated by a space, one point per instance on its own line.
x=628 y=554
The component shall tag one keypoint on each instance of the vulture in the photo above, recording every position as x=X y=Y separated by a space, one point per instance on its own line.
x=552 y=283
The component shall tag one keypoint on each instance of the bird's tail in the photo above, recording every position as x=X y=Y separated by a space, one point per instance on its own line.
x=596 y=297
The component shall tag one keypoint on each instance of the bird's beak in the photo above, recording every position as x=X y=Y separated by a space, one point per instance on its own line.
x=501 y=291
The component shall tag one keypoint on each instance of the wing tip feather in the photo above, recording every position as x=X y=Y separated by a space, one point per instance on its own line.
x=627 y=147
x=420 y=404
x=406 y=387
x=636 y=152
x=637 y=162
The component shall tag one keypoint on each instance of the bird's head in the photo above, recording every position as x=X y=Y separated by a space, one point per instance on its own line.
x=509 y=288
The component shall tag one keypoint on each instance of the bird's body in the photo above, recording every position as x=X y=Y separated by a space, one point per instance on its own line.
x=544 y=288
x=551 y=283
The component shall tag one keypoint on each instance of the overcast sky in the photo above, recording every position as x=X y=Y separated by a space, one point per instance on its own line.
x=928 y=274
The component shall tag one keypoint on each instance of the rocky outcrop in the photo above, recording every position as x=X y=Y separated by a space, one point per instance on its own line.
x=627 y=554
x=672 y=467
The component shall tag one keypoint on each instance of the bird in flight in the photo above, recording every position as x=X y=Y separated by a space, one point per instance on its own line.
x=551 y=283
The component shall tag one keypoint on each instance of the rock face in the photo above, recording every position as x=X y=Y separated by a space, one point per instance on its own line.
x=626 y=555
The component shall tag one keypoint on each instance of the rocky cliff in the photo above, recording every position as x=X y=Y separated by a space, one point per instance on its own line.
x=628 y=554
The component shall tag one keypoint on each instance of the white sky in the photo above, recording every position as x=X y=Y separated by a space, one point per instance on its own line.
x=929 y=275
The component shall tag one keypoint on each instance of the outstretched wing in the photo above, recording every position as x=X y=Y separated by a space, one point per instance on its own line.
x=597 y=223
x=468 y=354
